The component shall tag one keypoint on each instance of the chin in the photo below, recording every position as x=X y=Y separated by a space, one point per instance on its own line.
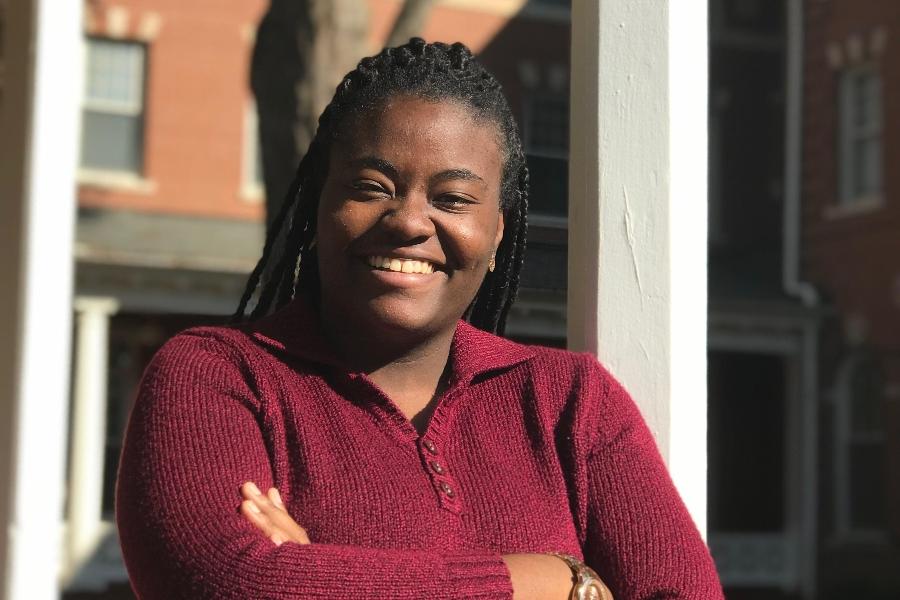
x=396 y=317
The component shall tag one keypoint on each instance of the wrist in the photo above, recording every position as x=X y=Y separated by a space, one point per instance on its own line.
x=586 y=584
x=538 y=576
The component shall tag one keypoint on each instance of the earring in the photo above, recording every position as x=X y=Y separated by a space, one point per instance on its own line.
x=492 y=264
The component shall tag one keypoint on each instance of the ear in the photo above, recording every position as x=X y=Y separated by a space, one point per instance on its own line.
x=499 y=235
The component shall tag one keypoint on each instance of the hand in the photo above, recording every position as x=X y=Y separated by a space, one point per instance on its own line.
x=270 y=516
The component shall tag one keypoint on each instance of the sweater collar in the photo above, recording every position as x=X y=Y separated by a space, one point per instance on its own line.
x=295 y=329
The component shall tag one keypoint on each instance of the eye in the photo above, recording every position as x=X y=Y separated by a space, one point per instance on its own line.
x=455 y=202
x=370 y=188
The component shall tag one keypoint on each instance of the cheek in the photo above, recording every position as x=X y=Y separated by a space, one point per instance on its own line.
x=473 y=244
x=337 y=228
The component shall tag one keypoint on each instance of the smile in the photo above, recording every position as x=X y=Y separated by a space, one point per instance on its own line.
x=400 y=265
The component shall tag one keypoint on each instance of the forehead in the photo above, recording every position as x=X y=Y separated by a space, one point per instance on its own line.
x=430 y=133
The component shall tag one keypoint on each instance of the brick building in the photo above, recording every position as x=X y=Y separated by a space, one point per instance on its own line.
x=851 y=253
x=801 y=309
x=171 y=201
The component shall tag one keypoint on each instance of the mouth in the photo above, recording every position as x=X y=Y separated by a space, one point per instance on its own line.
x=400 y=265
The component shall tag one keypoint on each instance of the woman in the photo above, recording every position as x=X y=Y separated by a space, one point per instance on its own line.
x=421 y=455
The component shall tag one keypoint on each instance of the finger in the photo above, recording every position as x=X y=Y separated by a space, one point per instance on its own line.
x=249 y=490
x=253 y=514
x=275 y=497
x=283 y=522
x=273 y=515
x=264 y=502
x=252 y=494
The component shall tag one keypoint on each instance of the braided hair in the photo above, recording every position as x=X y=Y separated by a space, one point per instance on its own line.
x=430 y=71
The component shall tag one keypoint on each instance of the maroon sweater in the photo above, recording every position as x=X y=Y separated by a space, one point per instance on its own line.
x=529 y=450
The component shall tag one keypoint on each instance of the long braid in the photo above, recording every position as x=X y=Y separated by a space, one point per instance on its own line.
x=517 y=259
x=434 y=71
x=271 y=237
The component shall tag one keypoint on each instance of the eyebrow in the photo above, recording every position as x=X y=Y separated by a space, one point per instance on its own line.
x=379 y=164
x=452 y=174
x=384 y=166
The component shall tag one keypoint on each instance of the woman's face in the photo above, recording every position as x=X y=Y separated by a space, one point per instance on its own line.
x=409 y=216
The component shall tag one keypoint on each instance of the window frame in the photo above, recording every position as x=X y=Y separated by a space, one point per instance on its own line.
x=130 y=179
x=529 y=96
x=850 y=132
x=252 y=190
x=844 y=439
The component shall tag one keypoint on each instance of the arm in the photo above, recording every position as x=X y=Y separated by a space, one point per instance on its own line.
x=192 y=440
x=640 y=537
x=534 y=576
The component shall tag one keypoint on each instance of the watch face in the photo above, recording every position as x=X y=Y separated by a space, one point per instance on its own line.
x=598 y=591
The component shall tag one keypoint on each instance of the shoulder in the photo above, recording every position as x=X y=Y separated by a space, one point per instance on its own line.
x=574 y=369
x=215 y=359
x=200 y=346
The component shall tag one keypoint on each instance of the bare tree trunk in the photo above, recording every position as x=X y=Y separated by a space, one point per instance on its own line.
x=410 y=21
x=302 y=49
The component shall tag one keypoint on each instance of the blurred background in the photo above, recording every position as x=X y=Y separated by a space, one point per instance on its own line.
x=194 y=113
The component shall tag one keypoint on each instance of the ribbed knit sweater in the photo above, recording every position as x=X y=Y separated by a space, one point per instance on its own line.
x=529 y=450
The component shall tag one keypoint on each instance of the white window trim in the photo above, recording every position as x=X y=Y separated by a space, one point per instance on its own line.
x=848 y=203
x=121 y=180
x=860 y=206
x=251 y=191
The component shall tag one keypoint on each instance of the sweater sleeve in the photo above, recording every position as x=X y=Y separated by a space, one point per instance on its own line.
x=192 y=439
x=640 y=537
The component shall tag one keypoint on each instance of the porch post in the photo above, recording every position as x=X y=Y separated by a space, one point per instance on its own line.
x=88 y=449
x=638 y=213
x=39 y=129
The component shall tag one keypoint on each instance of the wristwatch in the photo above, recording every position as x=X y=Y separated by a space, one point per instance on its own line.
x=587 y=584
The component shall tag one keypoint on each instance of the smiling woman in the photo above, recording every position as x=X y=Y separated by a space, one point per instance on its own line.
x=407 y=451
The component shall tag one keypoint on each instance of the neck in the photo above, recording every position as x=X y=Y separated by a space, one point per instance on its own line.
x=415 y=358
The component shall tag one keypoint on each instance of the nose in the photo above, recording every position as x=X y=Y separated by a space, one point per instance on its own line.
x=409 y=220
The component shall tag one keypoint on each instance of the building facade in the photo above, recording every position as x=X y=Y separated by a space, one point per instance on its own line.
x=804 y=312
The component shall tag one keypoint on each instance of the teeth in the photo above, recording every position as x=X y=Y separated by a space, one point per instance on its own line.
x=401 y=265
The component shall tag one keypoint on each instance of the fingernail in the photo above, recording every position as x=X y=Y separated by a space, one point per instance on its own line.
x=276 y=496
x=254 y=490
x=277 y=539
x=254 y=508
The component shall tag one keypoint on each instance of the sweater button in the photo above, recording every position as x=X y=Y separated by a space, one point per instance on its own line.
x=447 y=489
x=438 y=468
x=429 y=445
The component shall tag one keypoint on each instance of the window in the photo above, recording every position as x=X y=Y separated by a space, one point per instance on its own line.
x=547 y=124
x=860 y=450
x=113 y=119
x=859 y=107
x=253 y=184
x=546 y=138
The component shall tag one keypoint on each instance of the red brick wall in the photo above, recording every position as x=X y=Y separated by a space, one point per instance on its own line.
x=195 y=103
x=197 y=89
x=854 y=258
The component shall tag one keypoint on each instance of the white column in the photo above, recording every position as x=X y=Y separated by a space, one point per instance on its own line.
x=40 y=129
x=638 y=212
x=88 y=448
